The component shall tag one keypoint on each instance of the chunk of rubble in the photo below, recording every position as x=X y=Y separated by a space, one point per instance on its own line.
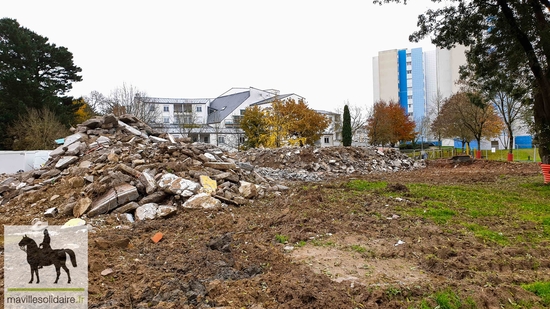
x=147 y=211
x=173 y=184
x=115 y=197
x=209 y=185
x=248 y=190
x=202 y=200
x=65 y=161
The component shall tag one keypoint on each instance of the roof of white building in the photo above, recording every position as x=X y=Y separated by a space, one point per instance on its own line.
x=225 y=105
x=174 y=100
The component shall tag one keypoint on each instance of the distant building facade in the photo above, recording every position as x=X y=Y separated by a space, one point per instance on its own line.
x=416 y=78
x=217 y=120
x=413 y=77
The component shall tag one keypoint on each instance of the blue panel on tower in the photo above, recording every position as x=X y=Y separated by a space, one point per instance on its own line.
x=419 y=99
x=402 y=71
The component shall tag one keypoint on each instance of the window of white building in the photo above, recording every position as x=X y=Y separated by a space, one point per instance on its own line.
x=166 y=108
x=166 y=119
x=221 y=139
x=327 y=140
x=199 y=109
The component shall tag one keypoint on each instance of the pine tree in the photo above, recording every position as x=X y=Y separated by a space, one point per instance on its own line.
x=34 y=74
x=346 y=128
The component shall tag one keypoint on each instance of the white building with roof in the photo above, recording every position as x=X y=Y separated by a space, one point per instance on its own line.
x=216 y=121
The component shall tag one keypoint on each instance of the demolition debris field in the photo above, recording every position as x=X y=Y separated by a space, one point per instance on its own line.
x=290 y=228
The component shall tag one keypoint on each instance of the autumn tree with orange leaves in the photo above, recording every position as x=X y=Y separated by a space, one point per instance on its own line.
x=285 y=122
x=388 y=124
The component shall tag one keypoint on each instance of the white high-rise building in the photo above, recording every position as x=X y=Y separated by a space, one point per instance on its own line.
x=414 y=77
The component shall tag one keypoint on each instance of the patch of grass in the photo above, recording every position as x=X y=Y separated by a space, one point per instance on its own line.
x=301 y=243
x=515 y=200
x=321 y=243
x=440 y=216
x=392 y=291
x=281 y=238
x=358 y=248
x=446 y=299
x=363 y=185
x=541 y=289
x=486 y=234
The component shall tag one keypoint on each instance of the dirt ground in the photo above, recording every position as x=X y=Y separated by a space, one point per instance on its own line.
x=236 y=257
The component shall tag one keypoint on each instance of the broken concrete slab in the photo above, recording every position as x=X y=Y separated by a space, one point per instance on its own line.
x=73 y=138
x=149 y=182
x=81 y=206
x=164 y=211
x=156 y=197
x=221 y=165
x=51 y=212
x=131 y=129
x=119 y=195
x=202 y=200
x=209 y=185
x=129 y=207
x=126 y=193
x=147 y=211
x=158 y=139
x=248 y=190
x=65 y=161
x=73 y=149
x=173 y=184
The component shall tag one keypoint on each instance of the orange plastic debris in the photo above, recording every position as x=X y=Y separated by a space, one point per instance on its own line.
x=157 y=237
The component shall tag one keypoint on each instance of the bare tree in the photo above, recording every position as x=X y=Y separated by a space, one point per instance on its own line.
x=433 y=113
x=126 y=99
x=510 y=110
x=358 y=117
x=97 y=102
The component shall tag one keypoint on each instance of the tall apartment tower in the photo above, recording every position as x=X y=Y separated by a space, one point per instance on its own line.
x=414 y=77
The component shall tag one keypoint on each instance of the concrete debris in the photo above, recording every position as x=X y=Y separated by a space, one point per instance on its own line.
x=50 y=212
x=316 y=164
x=121 y=165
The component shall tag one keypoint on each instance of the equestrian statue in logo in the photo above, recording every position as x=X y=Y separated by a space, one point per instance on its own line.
x=44 y=255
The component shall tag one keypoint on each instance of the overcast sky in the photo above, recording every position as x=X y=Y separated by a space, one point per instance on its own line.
x=321 y=50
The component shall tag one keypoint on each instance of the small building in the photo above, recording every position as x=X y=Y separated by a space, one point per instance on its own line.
x=217 y=120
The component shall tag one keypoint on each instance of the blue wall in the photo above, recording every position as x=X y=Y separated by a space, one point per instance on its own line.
x=402 y=70
x=418 y=83
x=524 y=141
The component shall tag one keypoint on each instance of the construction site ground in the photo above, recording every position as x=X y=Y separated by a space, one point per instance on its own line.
x=308 y=247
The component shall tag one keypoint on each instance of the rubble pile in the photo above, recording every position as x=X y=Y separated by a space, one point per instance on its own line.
x=315 y=164
x=121 y=165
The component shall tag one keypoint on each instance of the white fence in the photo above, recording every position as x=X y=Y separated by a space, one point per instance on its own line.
x=14 y=161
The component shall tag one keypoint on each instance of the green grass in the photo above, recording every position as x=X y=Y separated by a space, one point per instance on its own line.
x=487 y=235
x=527 y=154
x=358 y=248
x=301 y=243
x=541 y=289
x=446 y=299
x=281 y=238
x=514 y=201
x=362 y=185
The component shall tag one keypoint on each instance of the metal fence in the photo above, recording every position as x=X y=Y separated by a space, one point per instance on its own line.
x=447 y=153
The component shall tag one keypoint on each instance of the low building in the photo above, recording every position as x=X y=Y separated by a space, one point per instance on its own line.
x=217 y=120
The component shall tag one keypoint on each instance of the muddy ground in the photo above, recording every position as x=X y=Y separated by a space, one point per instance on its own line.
x=301 y=250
